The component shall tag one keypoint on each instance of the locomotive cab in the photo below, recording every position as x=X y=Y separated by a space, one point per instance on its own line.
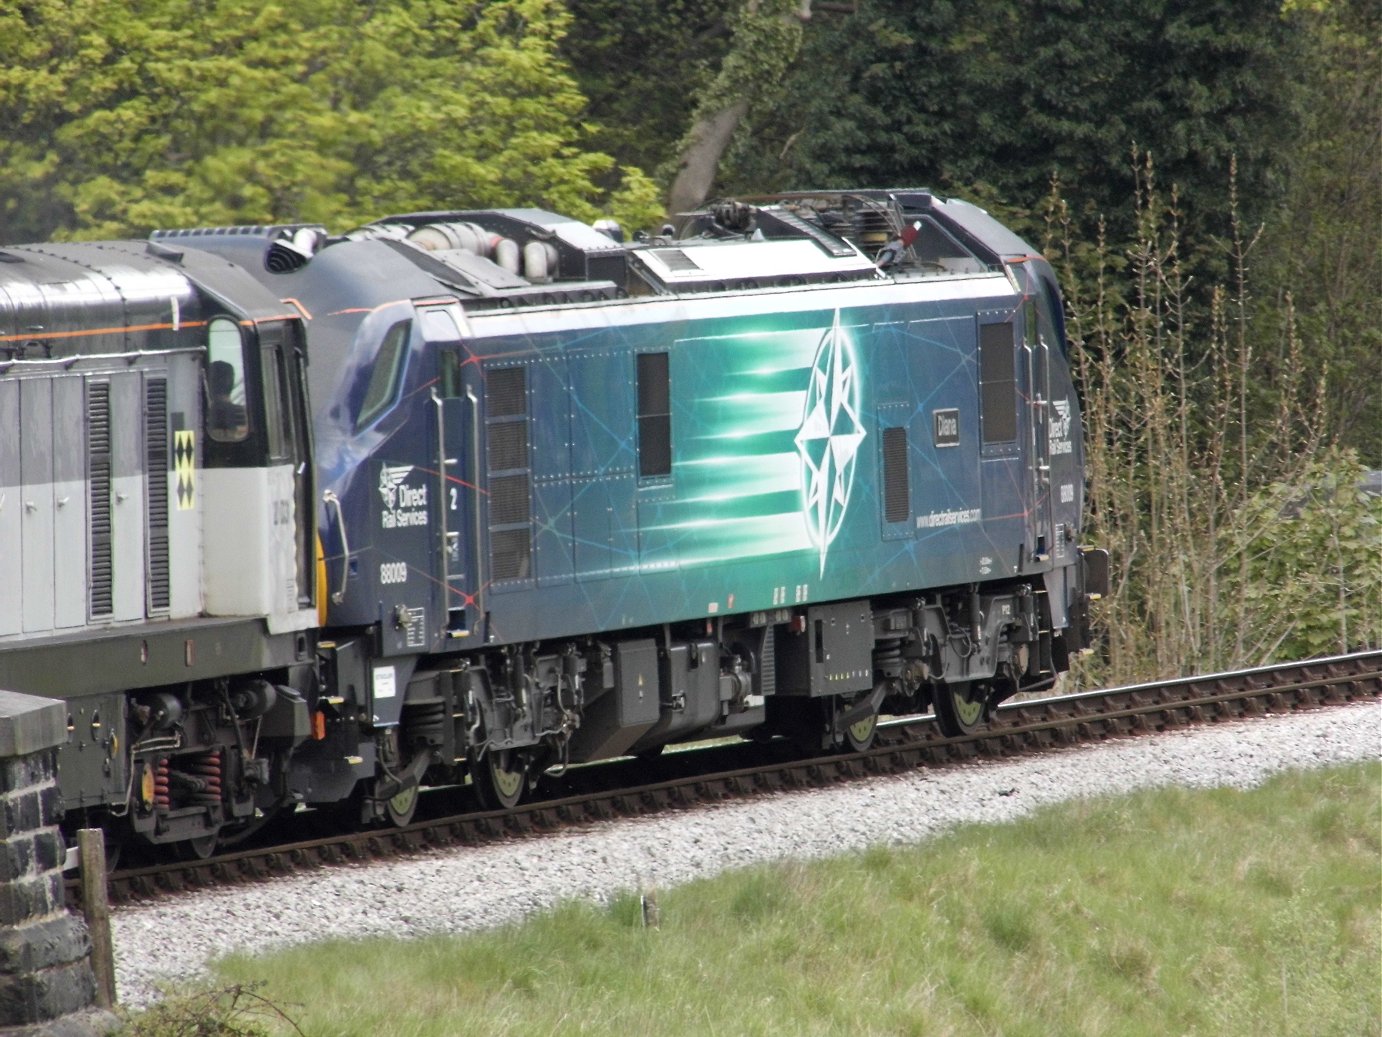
x=256 y=456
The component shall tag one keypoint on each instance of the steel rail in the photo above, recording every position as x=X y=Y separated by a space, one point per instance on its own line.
x=726 y=773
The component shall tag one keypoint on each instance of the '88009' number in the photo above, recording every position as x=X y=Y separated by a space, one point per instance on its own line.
x=393 y=572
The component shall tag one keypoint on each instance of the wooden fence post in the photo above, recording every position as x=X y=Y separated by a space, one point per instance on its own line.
x=91 y=848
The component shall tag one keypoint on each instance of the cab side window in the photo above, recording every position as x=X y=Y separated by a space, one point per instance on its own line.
x=227 y=418
x=386 y=375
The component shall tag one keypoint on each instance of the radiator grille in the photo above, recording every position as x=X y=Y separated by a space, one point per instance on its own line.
x=997 y=384
x=512 y=551
x=98 y=479
x=506 y=393
x=508 y=446
x=510 y=493
x=156 y=481
x=654 y=415
x=897 y=495
x=509 y=500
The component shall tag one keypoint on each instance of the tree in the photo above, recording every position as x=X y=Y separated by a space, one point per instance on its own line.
x=1238 y=534
x=643 y=64
x=767 y=36
x=1313 y=547
x=989 y=98
x=1321 y=262
x=671 y=82
x=315 y=110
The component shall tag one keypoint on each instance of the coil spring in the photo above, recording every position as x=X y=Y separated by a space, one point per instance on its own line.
x=163 y=797
x=206 y=767
x=426 y=722
x=887 y=658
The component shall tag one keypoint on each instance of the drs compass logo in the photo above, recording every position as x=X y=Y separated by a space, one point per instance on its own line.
x=404 y=505
x=829 y=437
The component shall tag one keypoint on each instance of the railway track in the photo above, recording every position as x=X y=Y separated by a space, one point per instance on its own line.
x=693 y=777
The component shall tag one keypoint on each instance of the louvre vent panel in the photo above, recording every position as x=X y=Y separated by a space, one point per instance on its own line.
x=509 y=500
x=513 y=552
x=654 y=414
x=897 y=494
x=156 y=481
x=508 y=446
x=509 y=472
x=676 y=259
x=506 y=392
x=99 y=475
x=997 y=384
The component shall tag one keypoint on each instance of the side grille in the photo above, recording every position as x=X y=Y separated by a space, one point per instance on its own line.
x=506 y=394
x=512 y=551
x=509 y=499
x=997 y=384
x=897 y=495
x=508 y=446
x=156 y=481
x=654 y=414
x=510 y=493
x=98 y=478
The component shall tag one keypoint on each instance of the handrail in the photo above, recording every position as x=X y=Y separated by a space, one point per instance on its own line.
x=476 y=540
x=330 y=498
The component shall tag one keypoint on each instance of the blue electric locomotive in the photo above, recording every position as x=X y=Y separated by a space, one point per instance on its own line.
x=791 y=466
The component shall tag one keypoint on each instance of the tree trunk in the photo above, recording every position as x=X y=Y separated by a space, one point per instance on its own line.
x=700 y=156
x=767 y=36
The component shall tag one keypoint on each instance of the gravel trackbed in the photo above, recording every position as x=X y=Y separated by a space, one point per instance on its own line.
x=458 y=891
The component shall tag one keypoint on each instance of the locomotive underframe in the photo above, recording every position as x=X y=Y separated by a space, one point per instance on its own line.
x=818 y=675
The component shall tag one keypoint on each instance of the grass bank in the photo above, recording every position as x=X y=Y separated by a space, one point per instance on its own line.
x=1190 y=912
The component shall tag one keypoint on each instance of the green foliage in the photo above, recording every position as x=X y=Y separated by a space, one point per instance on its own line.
x=1321 y=262
x=765 y=40
x=1313 y=544
x=1189 y=423
x=992 y=100
x=1218 y=912
x=644 y=64
x=233 y=1011
x=953 y=95
x=319 y=110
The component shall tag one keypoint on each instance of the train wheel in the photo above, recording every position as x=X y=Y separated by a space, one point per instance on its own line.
x=113 y=840
x=860 y=736
x=400 y=809
x=198 y=849
x=960 y=706
x=500 y=778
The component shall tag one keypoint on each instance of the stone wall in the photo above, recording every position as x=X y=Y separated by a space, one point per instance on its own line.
x=46 y=982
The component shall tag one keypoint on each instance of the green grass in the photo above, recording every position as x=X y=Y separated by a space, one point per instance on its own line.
x=1186 y=912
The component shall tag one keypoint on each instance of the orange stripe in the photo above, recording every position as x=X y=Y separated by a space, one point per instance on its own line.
x=40 y=335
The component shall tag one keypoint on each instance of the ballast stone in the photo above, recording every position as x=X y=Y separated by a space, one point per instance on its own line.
x=468 y=890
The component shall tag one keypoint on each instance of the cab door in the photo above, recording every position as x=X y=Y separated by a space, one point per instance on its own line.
x=256 y=491
x=285 y=379
x=456 y=397
x=1037 y=361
